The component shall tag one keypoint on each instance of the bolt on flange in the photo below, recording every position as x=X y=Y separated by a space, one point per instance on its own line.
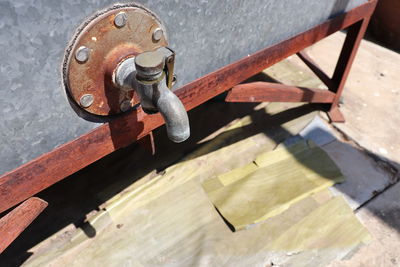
x=125 y=105
x=82 y=54
x=157 y=34
x=86 y=100
x=120 y=19
x=105 y=46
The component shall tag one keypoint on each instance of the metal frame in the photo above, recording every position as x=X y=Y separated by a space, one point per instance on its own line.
x=15 y=222
x=44 y=171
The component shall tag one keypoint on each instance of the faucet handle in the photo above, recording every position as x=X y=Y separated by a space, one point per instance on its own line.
x=151 y=64
x=169 y=65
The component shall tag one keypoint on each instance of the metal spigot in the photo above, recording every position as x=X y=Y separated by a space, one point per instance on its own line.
x=152 y=76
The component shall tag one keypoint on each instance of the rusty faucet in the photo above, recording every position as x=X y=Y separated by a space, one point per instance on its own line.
x=152 y=77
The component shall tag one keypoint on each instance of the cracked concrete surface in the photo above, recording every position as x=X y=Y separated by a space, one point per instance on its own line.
x=371 y=95
x=382 y=218
x=368 y=152
x=365 y=177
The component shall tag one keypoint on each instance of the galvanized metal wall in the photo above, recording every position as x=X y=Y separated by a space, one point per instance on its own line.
x=35 y=116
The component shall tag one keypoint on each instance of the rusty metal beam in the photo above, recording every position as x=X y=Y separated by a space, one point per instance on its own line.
x=67 y=159
x=316 y=69
x=351 y=44
x=335 y=114
x=275 y=92
x=16 y=221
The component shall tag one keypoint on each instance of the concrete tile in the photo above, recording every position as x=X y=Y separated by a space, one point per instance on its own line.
x=364 y=177
x=318 y=131
x=382 y=218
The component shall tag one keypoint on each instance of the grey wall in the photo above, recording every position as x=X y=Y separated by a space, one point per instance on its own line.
x=35 y=116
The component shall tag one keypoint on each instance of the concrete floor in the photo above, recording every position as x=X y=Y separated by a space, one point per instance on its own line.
x=371 y=157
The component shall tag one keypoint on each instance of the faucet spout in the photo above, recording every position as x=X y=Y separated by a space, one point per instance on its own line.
x=155 y=96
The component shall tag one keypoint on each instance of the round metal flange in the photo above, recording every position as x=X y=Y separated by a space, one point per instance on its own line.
x=104 y=42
